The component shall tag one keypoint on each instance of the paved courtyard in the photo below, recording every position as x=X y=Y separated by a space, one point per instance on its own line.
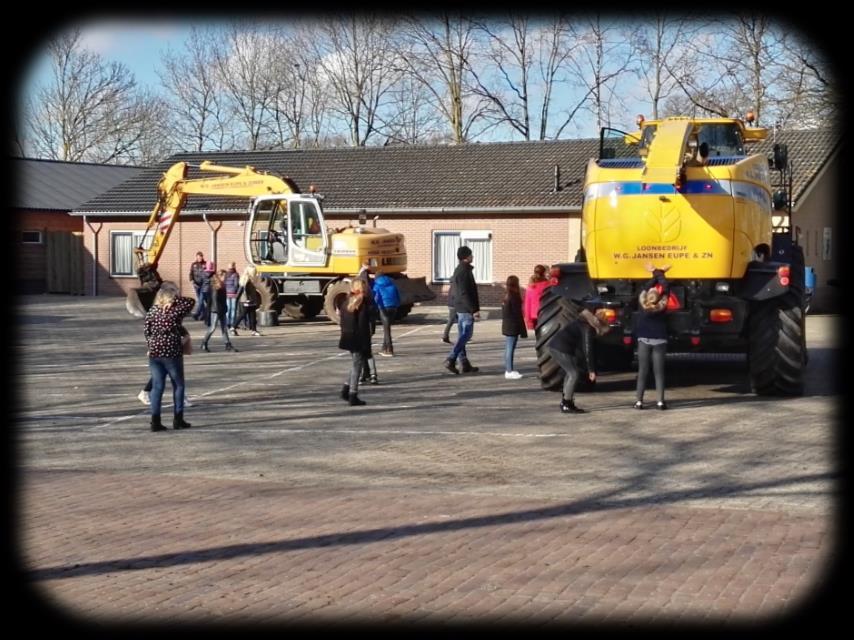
x=445 y=500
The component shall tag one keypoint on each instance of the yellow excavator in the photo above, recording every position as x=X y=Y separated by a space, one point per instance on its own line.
x=685 y=193
x=303 y=267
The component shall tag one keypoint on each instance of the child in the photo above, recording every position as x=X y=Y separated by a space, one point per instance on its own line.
x=512 y=325
x=355 y=337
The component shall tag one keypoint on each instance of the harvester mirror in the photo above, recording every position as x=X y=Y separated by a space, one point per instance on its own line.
x=779 y=200
x=781 y=156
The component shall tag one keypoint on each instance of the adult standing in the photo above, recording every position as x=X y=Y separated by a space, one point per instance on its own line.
x=452 y=315
x=467 y=306
x=197 y=273
x=564 y=348
x=387 y=300
x=165 y=354
x=537 y=283
x=355 y=327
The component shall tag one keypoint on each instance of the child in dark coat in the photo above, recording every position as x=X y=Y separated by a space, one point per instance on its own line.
x=355 y=337
x=512 y=325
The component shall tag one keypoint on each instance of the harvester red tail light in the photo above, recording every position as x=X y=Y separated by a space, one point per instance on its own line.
x=720 y=315
x=609 y=315
x=783 y=274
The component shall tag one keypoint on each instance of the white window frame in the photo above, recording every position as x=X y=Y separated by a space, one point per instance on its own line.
x=135 y=238
x=465 y=236
x=38 y=231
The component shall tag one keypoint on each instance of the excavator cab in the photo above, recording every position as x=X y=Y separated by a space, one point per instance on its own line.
x=287 y=231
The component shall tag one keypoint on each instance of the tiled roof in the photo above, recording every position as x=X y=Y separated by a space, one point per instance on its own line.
x=53 y=185
x=510 y=175
x=808 y=153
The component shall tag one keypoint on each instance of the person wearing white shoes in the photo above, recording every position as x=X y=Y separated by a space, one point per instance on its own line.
x=512 y=324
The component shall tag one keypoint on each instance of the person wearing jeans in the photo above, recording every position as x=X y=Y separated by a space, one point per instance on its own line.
x=165 y=351
x=512 y=324
x=387 y=300
x=467 y=306
x=197 y=277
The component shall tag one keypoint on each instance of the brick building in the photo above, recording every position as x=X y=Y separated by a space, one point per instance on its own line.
x=516 y=204
x=46 y=237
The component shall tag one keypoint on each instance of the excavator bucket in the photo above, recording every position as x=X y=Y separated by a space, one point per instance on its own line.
x=139 y=301
x=412 y=290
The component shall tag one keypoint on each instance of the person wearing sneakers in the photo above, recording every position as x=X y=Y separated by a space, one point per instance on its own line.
x=144 y=396
x=165 y=354
x=467 y=306
x=512 y=324
x=564 y=348
x=387 y=300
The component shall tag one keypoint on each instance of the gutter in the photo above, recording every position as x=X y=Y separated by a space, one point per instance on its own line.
x=397 y=211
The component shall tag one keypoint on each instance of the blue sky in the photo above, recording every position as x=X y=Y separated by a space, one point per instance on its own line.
x=135 y=44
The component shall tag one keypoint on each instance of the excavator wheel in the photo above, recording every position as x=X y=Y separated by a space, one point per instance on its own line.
x=336 y=294
x=267 y=290
x=303 y=307
x=555 y=313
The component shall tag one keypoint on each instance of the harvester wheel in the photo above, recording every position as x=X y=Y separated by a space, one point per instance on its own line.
x=555 y=313
x=336 y=294
x=777 y=349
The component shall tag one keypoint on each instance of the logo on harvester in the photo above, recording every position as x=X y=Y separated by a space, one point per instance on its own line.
x=666 y=223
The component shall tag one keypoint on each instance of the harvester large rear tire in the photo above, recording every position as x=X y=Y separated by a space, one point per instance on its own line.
x=336 y=294
x=777 y=346
x=555 y=313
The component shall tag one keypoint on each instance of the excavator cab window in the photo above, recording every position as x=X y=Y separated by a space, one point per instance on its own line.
x=723 y=139
x=269 y=233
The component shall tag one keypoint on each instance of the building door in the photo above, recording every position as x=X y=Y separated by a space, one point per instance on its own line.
x=65 y=262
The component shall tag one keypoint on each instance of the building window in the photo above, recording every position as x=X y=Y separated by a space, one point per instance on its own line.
x=445 y=245
x=31 y=237
x=122 y=244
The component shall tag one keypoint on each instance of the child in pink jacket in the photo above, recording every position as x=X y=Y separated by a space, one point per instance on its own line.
x=531 y=304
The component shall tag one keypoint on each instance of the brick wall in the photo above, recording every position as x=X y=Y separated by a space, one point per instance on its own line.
x=518 y=243
x=31 y=267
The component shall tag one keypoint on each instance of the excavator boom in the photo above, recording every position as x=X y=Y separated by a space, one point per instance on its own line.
x=173 y=189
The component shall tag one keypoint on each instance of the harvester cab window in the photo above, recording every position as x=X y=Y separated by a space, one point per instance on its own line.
x=723 y=139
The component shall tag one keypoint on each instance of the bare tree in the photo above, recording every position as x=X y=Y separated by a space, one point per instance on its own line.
x=525 y=58
x=195 y=93
x=91 y=111
x=246 y=71
x=437 y=53
x=662 y=46
x=355 y=56
x=411 y=116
